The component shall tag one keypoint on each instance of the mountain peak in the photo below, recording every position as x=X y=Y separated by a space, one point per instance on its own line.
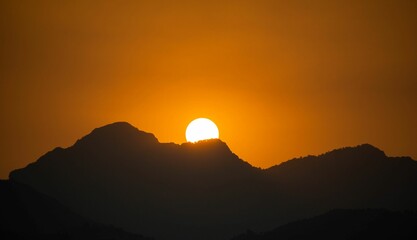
x=209 y=144
x=118 y=128
x=120 y=124
x=215 y=150
x=115 y=134
x=359 y=152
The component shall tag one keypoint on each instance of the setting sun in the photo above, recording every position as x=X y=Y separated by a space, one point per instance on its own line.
x=201 y=129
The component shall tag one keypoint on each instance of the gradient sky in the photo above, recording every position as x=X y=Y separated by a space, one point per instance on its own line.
x=281 y=79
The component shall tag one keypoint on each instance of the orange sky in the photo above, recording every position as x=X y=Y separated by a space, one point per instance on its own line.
x=281 y=79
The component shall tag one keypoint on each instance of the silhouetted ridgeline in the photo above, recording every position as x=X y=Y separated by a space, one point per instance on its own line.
x=27 y=214
x=344 y=225
x=122 y=176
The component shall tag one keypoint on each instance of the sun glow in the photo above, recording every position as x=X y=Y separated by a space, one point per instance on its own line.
x=201 y=129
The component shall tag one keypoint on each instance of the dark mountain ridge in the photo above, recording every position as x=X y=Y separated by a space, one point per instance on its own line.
x=345 y=174
x=122 y=176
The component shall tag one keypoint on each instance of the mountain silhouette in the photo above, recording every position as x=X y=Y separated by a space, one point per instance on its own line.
x=351 y=177
x=27 y=214
x=345 y=224
x=125 y=177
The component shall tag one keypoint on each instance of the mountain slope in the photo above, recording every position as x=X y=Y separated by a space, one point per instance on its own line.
x=26 y=211
x=122 y=176
x=344 y=225
x=27 y=214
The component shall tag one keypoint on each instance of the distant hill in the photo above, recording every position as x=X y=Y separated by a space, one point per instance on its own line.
x=125 y=177
x=26 y=214
x=351 y=177
x=345 y=225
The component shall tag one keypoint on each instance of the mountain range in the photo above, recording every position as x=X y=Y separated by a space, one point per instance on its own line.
x=118 y=175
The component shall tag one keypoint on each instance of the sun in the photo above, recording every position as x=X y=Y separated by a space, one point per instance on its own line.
x=201 y=129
